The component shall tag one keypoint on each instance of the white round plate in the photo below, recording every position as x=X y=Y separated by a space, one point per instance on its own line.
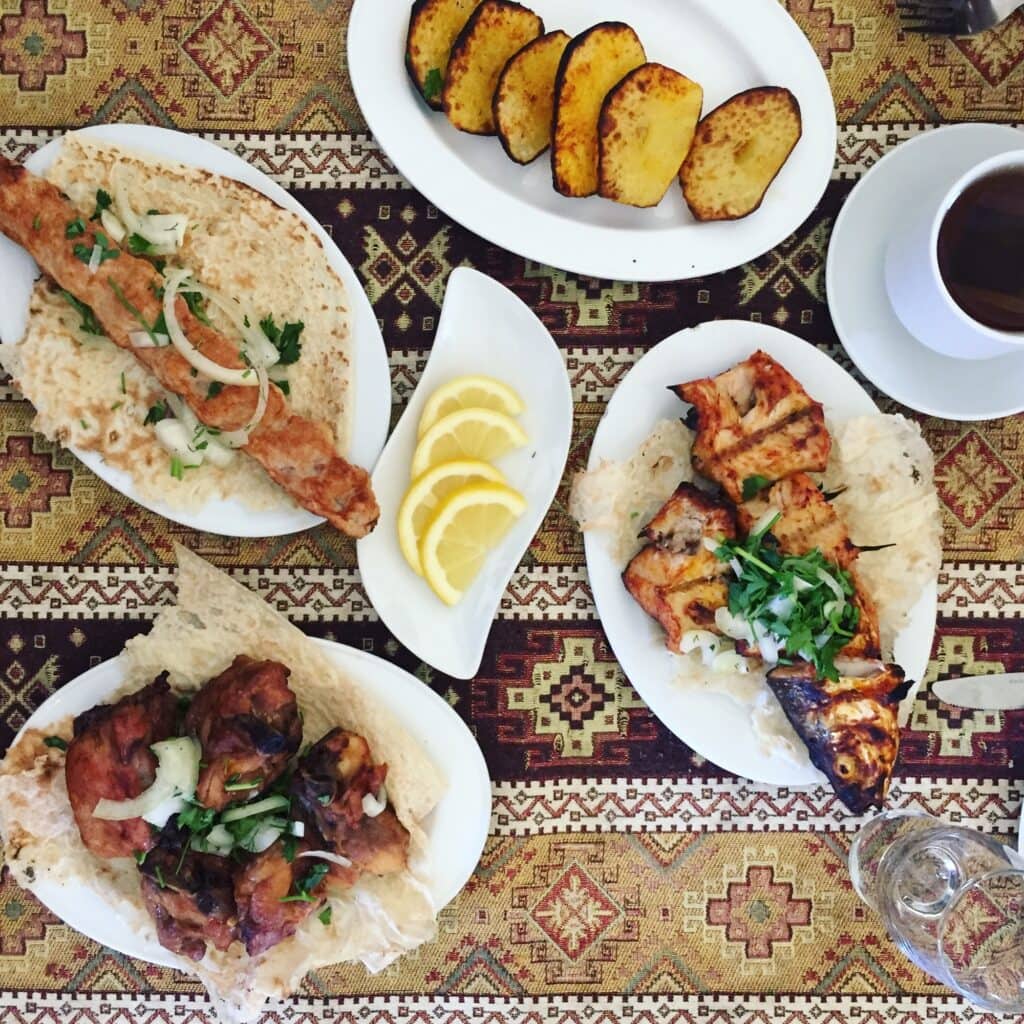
x=918 y=172
x=712 y=724
x=371 y=374
x=726 y=49
x=456 y=829
x=484 y=328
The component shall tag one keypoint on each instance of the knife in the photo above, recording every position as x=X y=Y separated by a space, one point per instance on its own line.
x=1003 y=692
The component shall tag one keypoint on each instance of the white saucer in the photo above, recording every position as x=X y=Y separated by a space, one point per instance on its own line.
x=919 y=171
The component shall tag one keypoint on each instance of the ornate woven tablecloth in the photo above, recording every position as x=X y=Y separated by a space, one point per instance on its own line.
x=625 y=877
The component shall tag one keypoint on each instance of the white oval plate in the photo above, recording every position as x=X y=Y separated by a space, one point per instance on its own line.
x=713 y=724
x=371 y=374
x=456 y=829
x=725 y=48
x=484 y=328
x=889 y=195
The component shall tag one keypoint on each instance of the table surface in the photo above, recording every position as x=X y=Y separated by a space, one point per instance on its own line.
x=624 y=875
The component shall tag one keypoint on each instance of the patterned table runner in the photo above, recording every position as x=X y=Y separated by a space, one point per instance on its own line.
x=625 y=877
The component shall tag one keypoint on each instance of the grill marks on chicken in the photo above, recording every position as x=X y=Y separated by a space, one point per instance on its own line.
x=247 y=722
x=297 y=453
x=675 y=579
x=110 y=758
x=755 y=420
x=850 y=726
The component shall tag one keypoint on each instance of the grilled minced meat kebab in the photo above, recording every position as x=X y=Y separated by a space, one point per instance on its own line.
x=297 y=453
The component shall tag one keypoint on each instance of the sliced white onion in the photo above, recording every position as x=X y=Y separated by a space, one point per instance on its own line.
x=259 y=348
x=177 y=772
x=268 y=803
x=164 y=231
x=220 y=836
x=710 y=544
x=821 y=639
x=174 y=436
x=831 y=607
x=782 y=606
x=697 y=639
x=832 y=584
x=333 y=858
x=216 y=452
x=765 y=522
x=113 y=226
x=374 y=804
x=730 y=661
x=737 y=568
x=265 y=837
x=143 y=339
x=240 y=438
x=801 y=585
x=160 y=814
x=733 y=626
x=769 y=647
x=94 y=259
x=296 y=828
x=219 y=454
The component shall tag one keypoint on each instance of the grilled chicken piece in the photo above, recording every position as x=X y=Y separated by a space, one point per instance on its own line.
x=675 y=579
x=297 y=453
x=850 y=726
x=807 y=521
x=247 y=722
x=272 y=898
x=191 y=897
x=329 y=785
x=110 y=757
x=755 y=420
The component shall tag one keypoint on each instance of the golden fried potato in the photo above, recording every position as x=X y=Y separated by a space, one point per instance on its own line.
x=737 y=152
x=496 y=31
x=525 y=97
x=646 y=128
x=433 y=28
x=594 y=62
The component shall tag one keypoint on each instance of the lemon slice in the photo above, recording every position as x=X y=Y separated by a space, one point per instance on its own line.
x=467 y=434
x=465 y=527
x=475 y=392
x=426 y=494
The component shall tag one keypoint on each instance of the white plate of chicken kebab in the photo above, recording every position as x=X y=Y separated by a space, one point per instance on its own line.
x=195 y=338
x=261 y=805
x=763 y=547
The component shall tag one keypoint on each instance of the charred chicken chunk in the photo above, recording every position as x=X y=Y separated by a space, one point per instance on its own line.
x=110 y=758
x=190 y=896
x=247 y=721
x=676 y=579
x=755 y=423
x=274 y=895
x=850 y=726
x=330 y=784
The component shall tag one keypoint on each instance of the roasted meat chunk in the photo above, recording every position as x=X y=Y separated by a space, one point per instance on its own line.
x=675 y=578
x=190 y=896
x=330 y=784
x=274 y=895
x=850 y=726
x=247 y=722
x=110 y=758
x=755 y=424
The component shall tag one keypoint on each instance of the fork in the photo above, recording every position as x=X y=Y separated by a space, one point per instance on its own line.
x=954 y=17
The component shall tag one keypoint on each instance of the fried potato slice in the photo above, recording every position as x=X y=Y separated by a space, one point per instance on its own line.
x=496 y=31
x=738 y=151
x=433 y=28
x=594 y=62
x=646 y=129
x=525 y=97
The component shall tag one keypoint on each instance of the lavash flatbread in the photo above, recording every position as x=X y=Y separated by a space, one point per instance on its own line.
x=216 y=619
x=238 y=242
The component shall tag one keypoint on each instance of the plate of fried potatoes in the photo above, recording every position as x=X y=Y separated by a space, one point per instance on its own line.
x=651 y=141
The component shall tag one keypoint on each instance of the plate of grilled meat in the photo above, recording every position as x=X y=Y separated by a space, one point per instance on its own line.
x=191 y=333
x=235 y=800
x=763 y=547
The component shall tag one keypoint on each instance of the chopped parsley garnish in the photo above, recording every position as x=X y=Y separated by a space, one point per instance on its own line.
x=140 y=857
x=214 y=389
x=156 y=413
x=285 y=339
x=284 y=385
x=196 y=818
x=793 y=598
x=89 y=324
x=75 y=228
x=37 y=222
x=324 y=799
x=325 y=915
x=124 y=389
x=102 y=203
x=233 y=785
x=433 y=84
x=304 y=886
x=84 y=252
x=56 y=742
x=85 y=426
x=160 y=877
x=123 y=299
x=177 y=469
x=753 y=485
x=116 y=406
x=139 y=246
x=288 y=848
x=196 y=306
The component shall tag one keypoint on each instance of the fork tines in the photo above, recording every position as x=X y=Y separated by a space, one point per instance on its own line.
x=933 y=17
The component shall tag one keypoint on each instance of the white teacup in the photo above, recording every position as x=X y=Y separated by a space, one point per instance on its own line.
x=916 y=288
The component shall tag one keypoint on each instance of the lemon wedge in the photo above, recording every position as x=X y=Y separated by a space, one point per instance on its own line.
x=467 y=434
x=465 y=527
x=427 y=493
x=473 y=392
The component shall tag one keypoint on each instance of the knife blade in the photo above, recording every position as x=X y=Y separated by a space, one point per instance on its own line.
x=1002 y=692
